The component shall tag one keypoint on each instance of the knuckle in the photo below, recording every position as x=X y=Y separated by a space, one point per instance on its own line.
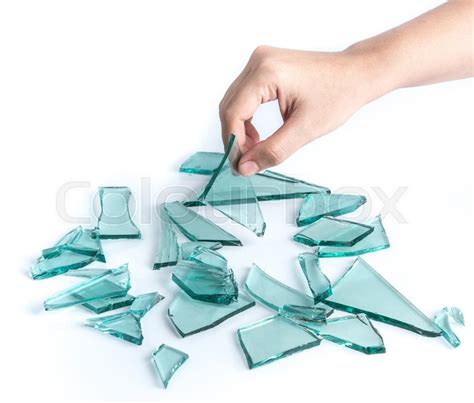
x=275 y=155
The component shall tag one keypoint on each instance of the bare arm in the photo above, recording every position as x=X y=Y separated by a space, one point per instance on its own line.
x=318 y=91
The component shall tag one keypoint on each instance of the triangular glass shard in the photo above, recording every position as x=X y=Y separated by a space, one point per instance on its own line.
x=304 y=313
x=268 y=185
x=362 y=290
x=206 y=283
x=109 y=304
x=208 y=256
x=143 y=303
x=233 y=195
x=377 y=240
x=190 y=316
x=329 y=231
x=168 y=249
x=115 y=221
x=126 y=325
x=273 y=338
x=197 y=228
x=318 y=283
x=355 y=332
x=442 y=319
x=79 y=240
x=187 y=248
x=316 y=206
x=167 y=360
x=61 y=261
x=112 y=283
x=274 y=294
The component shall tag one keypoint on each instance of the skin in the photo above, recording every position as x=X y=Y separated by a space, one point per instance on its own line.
x=318 y=91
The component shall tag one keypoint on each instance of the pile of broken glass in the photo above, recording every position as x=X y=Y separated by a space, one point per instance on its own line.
x=208 y=291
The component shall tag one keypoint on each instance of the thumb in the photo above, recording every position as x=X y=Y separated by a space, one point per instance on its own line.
x=273 y=150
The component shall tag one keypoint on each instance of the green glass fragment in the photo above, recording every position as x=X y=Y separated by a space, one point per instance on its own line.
x=362 y=290
x=206 y=283
x=167 y=361
x=207 y=256
x=268 y=185
x=168 y=249
x=126 y=325
x=443 y=318
x=233 y=195
x=81 y=241
x=187 y=248
x=318 y=283
x=274 y=294
x=112 y=283
x=86 y=273
x=143 y=303
x=273 y=338
x=329 y=231
x=197 y=228
x=109 y=304
x=115 y=221
x=376 y=240
x=304 y=313
x=355 y=332
x=316 y=206
x=190 y=316
x=61 y=261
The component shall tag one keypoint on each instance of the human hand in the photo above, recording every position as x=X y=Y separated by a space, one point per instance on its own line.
x=316 y=92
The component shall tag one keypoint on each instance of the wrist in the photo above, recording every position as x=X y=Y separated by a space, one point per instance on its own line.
x=373 y=69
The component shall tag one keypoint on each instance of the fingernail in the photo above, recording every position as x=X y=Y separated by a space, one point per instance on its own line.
x=248 y=168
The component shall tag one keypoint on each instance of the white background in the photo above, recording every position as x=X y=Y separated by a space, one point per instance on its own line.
x=119 y=93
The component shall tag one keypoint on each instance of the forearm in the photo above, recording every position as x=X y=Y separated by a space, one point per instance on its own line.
x=436 y=46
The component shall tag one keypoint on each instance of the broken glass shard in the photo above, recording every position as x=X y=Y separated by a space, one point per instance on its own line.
x=316 y=206
x=187 y=248
x=59 y=262
x=112 y=283
x=190 y=316
x=442 y=320
x=87 y=273
x=126 y=325
x=115 y=221
x=208 y=256
x=206 y=283
x=362 y=290
x=108 y=304
x=168 y=250
x=143 y=303
x=197 y=228
x=233 y=195
x=355 y=332
x=268 y=185
x=167 y=360
x=329 y=231
x=273 y=338
x=274 y=294
x=202 y=162
x=81 y=241
x=318 y=283
x=304 y=313
x=376 y=240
